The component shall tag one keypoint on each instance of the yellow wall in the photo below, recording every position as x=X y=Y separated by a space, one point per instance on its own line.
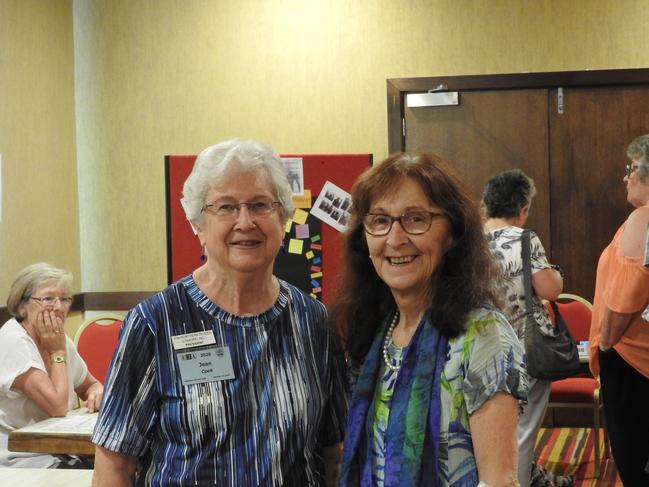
x=155 y=77
x=40 y=215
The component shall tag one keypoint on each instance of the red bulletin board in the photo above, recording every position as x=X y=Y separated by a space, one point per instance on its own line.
x=183 y=248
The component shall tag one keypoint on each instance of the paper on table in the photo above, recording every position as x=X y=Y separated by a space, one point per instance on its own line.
x=78 y=421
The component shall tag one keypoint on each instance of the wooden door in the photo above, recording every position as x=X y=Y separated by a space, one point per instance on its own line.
x=576 y=158
x=588 y=144
x=489 y=132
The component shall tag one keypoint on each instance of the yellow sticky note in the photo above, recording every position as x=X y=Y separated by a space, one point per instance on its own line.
x=316 y=274
x=287 y=226
x=302 y=201
x=300 y=216
x=309 y=254
x=295 y=246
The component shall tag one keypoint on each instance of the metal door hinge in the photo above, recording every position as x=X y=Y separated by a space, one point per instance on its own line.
x=560 y=101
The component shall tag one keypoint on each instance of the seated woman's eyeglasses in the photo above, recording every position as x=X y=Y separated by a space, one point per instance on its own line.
x=630 y=169
x=412 y=222
x=229 y=210
x=66 y=301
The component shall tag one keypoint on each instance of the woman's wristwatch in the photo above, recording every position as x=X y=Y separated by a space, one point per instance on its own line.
x=58 y=359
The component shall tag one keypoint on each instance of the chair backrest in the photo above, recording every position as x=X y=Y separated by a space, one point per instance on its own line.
x=576 y=313
x=574 y=297
x=96 y=340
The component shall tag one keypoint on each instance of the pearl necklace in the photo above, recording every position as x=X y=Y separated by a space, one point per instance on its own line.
x=386 y=341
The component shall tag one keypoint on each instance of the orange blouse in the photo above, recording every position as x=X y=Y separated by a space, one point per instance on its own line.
x=622 y=286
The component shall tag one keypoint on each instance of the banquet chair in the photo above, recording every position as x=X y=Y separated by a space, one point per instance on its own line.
x=579 y=392
x=96 y=340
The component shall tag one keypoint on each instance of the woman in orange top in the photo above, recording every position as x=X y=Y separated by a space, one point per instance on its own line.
x=619 y=337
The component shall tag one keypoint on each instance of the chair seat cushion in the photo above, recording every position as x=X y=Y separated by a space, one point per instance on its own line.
x=574 y=389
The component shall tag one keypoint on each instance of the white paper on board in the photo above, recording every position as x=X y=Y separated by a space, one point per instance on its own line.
x=333 y=206
x=294 y=170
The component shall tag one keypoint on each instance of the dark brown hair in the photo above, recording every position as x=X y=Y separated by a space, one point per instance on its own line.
x=507 y=193
x=463 y=280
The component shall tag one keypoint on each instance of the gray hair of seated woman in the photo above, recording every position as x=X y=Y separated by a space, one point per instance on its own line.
x=639 y=150
x=216 y=162
x=27 y=282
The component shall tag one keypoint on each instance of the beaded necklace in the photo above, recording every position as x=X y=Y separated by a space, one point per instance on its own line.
x=386 y=342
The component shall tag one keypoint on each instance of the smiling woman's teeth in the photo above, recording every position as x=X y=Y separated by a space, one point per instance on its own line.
x=401 y=260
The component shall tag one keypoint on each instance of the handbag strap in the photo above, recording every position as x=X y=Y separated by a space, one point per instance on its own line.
x=527 y=271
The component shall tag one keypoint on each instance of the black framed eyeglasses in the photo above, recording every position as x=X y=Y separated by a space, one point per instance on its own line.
x=412 y=222
x=231 y=210
x=630 y=169
x=66 y=301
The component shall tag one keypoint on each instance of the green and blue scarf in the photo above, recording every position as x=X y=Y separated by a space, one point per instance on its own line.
x=412 y=437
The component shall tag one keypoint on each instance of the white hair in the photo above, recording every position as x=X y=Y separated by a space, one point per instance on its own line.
x=233 y=155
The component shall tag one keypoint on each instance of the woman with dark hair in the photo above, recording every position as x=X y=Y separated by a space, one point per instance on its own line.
x=506 y=200
x=436 y=368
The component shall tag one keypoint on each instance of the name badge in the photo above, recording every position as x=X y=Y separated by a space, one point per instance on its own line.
x=190 y=340
x=205 y=365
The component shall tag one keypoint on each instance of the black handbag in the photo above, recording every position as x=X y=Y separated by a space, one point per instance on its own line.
x=546 y=357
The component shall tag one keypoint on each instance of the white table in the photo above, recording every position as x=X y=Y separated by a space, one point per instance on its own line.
x=44 y=477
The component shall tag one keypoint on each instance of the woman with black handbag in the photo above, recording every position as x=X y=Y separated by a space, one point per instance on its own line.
x=507 y=198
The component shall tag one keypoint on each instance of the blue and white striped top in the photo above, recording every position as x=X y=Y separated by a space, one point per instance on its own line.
x=264 y=427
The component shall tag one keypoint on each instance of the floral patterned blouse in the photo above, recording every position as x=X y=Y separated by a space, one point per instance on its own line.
x=505 y=245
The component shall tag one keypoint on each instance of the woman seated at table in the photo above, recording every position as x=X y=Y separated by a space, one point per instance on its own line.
x=41 y=372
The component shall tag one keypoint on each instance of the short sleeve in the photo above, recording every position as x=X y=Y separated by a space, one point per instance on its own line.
x=627 y=285
x=79 y=369
x=19 y=354
x=538 y=258
x=128 y=411
x=494 y=360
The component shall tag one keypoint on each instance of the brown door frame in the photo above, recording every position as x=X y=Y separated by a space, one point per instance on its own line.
x=397 y=88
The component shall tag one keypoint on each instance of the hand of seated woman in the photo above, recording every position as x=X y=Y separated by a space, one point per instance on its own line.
x=93 y=397
x=50 y=331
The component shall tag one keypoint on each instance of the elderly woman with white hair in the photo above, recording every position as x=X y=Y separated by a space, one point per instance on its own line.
x=41 y=372
x=230 y=375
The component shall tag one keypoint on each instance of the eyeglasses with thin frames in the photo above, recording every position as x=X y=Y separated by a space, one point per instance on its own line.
x=259 y=208
x=412 y=222
x=630 y=169
x=66 y=301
